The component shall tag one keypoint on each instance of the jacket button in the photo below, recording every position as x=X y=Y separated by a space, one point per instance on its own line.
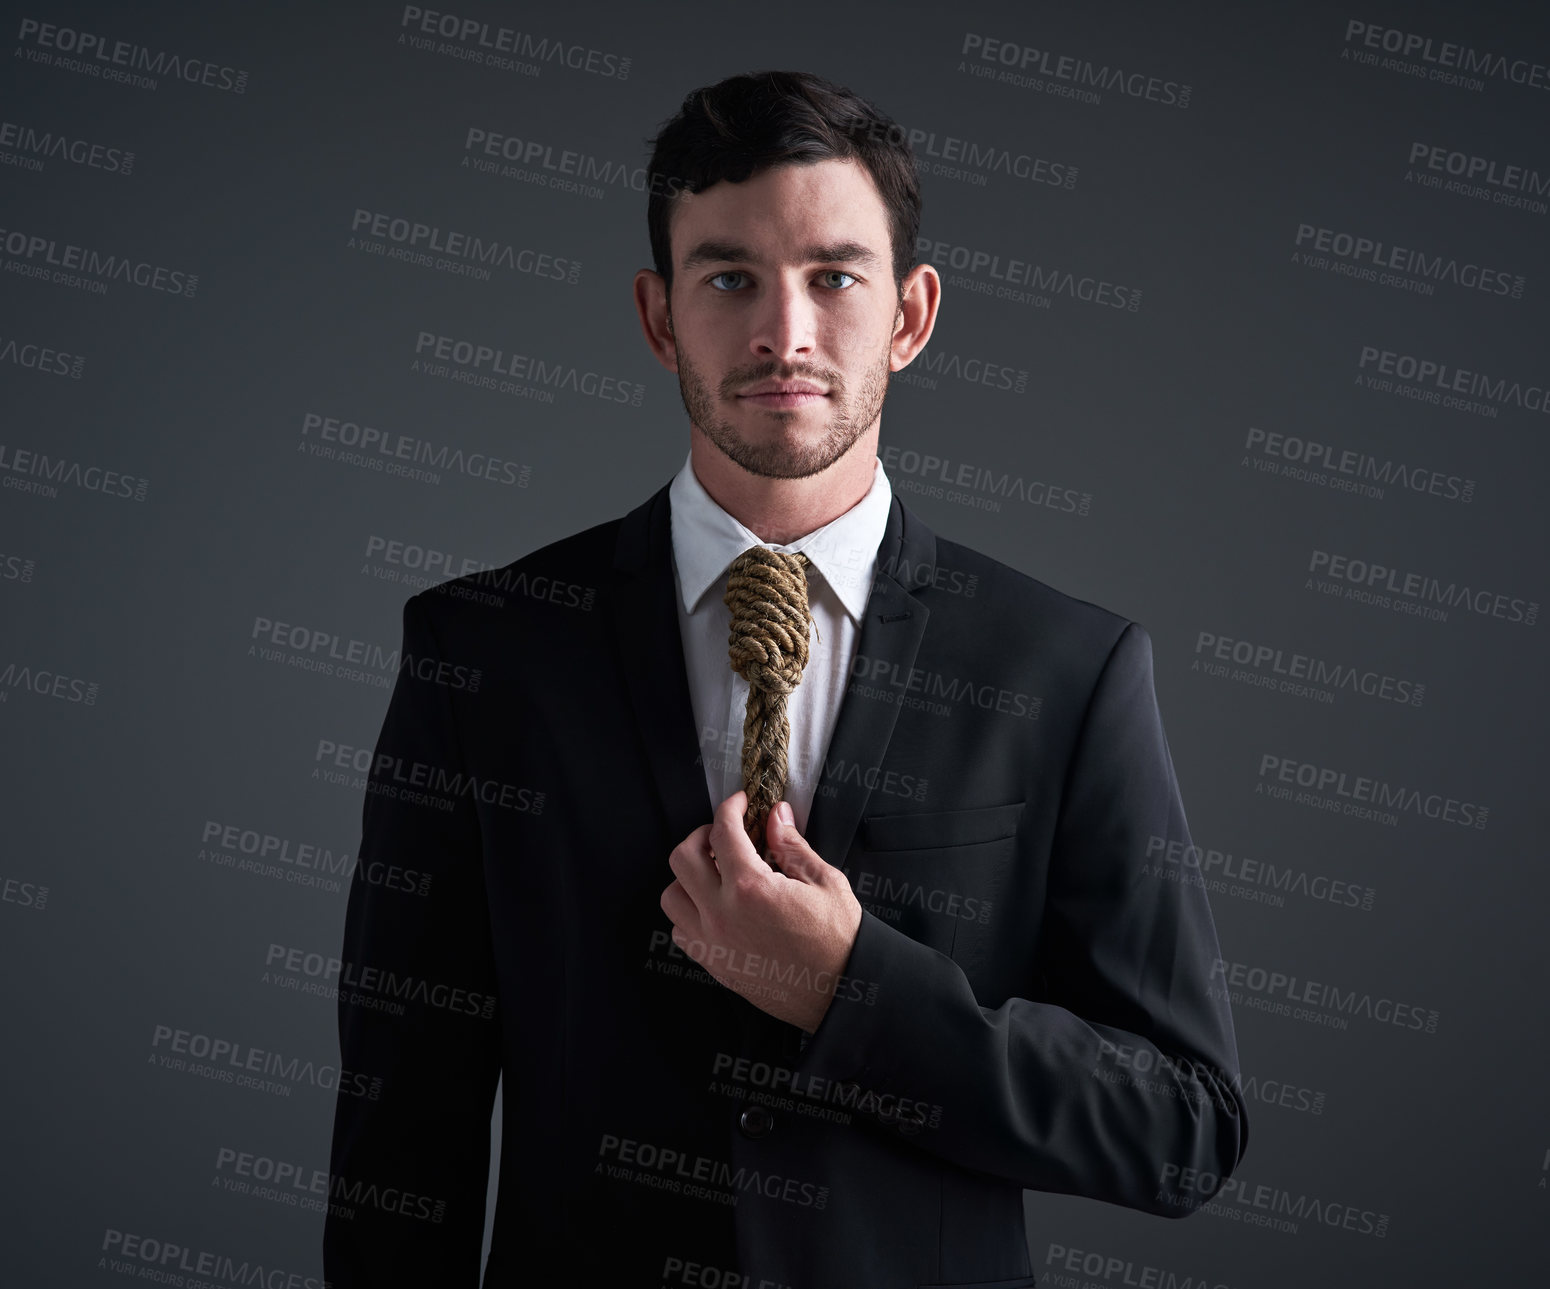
x=756 y=1121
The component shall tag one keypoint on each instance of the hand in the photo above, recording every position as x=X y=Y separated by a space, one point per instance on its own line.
x=780 y=937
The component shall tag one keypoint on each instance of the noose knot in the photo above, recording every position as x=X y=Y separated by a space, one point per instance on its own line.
x=767 y=594
x=768 y=647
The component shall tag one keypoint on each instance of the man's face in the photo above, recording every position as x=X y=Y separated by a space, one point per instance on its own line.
x=784 y=279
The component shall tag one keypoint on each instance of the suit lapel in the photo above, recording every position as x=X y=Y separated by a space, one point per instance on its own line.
x=643 y=622
x=886 y=646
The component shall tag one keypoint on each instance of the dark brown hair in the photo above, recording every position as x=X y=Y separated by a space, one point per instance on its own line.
x=742 y=126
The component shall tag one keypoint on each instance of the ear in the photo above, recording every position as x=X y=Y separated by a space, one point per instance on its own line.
x=650 y=292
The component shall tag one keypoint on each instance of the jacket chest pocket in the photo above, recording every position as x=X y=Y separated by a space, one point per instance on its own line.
x=936 y=875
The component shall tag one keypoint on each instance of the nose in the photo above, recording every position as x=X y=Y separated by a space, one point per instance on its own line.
x=784 y=321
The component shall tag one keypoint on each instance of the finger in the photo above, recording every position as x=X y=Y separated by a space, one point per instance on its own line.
x=681 y=910
x=692 y=865
x=791 y=854
x=729 y=839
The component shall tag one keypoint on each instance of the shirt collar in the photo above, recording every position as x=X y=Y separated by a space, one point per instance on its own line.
x=706 y=539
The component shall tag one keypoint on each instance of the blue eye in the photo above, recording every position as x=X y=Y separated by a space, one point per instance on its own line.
x=825 y=273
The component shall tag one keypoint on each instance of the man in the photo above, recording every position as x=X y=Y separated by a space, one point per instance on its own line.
x=720 y=1066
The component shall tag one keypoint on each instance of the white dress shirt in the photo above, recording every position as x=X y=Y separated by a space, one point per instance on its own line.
x=843 y=555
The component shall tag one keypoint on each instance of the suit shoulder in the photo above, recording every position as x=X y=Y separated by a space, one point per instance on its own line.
x=1016 y=602
x=565 y=571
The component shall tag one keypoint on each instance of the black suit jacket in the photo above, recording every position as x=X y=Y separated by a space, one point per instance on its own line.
x=1027 y=1003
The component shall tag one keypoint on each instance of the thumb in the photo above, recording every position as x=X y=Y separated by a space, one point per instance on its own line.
x=788 y=847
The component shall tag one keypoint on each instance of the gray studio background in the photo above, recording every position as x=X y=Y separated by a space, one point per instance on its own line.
x=193 y=492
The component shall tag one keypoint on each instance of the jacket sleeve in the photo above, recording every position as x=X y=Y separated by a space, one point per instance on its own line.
x=1116 y=1078
x=419 y=1029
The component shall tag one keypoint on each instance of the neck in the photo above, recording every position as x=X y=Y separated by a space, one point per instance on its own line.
x=780 y=511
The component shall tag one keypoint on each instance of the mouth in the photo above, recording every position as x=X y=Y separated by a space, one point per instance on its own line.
x=784 y=398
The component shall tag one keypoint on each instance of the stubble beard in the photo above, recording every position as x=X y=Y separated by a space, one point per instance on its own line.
x=783 y=458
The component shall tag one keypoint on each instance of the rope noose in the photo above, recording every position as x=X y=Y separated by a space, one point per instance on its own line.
x=768 y=644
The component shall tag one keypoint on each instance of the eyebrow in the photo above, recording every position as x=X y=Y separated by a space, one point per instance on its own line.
x=717 y=252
